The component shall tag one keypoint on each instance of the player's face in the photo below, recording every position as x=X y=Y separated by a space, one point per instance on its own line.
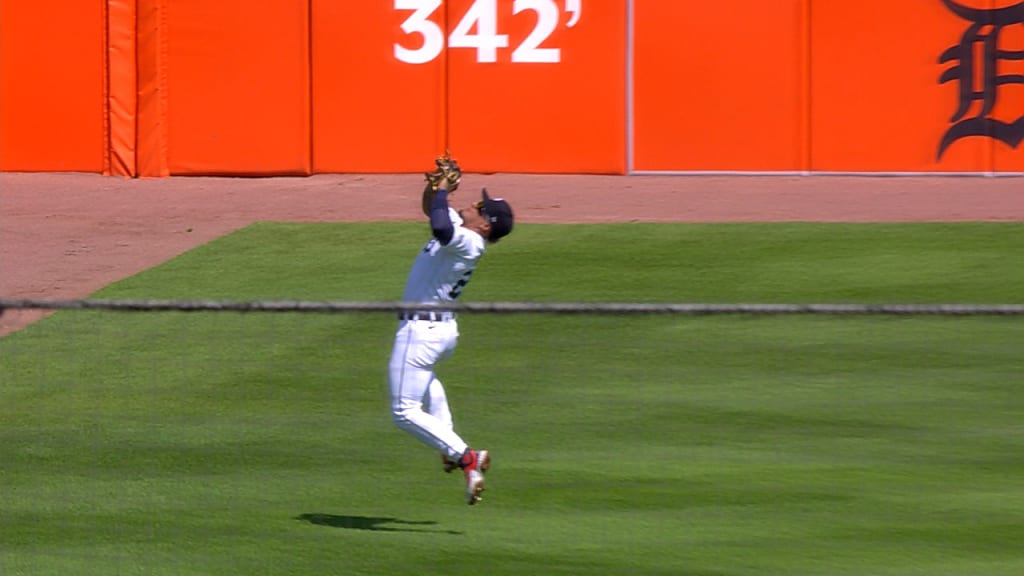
x=473 y=214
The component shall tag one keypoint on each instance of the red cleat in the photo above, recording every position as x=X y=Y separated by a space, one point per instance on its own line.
x=474 y=464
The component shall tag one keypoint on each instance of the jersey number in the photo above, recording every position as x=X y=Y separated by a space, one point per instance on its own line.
x=456 y=290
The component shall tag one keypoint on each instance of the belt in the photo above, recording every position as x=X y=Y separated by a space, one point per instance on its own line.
x=427 y=316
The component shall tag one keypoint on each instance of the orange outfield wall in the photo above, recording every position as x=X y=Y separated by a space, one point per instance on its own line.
x=552 y=100
x=819 y=85
x=390 y=93
x=161 y=87
x=52 y=86
x=372 y=113
x=1010 y=106
x=878 y=99
x=237 y=86
x=719 y=85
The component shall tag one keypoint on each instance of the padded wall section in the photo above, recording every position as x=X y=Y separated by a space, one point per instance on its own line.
x=237 y=87
x=52 y=86
x=372 y=111
x=878 y=102
x=720 y=85
x=122 y=88
x=538 y=85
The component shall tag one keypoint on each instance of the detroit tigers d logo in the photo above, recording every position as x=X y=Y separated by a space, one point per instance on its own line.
x=977 y=60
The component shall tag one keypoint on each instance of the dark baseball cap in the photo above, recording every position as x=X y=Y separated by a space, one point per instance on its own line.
x=499 y=214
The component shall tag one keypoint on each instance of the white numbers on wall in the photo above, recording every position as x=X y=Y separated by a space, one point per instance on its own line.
x=483 y=14
x=547 y=21
x=478 y=29
x=573 y=7
x=418 y=23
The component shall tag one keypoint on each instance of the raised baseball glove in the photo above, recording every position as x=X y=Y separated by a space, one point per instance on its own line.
x=447 y=170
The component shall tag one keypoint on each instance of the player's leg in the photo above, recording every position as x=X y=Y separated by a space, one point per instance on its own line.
x=474 y=463
x=410 y=377
x=436 y=404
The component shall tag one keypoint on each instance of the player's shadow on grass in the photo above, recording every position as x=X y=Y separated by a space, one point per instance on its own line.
x=377 y=524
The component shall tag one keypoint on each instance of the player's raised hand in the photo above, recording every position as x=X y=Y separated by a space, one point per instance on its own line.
x=447 y=171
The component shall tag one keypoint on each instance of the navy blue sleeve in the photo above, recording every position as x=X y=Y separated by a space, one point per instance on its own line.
x=440 y=222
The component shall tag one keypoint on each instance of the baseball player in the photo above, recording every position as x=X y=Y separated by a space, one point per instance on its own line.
x=438 y=276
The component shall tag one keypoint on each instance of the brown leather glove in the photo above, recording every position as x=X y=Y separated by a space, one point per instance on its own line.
x=447 y=170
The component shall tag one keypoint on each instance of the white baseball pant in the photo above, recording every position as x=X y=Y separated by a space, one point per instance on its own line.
x=419 y=404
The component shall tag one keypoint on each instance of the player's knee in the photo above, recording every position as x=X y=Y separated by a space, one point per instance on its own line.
x=401 y=417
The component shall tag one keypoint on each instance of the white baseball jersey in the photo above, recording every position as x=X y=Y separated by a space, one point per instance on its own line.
x=440 y=273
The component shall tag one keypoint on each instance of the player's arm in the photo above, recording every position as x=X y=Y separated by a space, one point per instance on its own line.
x=440 y=220
x=428 y=199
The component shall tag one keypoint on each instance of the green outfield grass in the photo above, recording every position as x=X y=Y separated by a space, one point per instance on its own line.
x=250 y=444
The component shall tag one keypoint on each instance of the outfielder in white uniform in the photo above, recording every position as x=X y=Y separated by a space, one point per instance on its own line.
x=439 y=274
